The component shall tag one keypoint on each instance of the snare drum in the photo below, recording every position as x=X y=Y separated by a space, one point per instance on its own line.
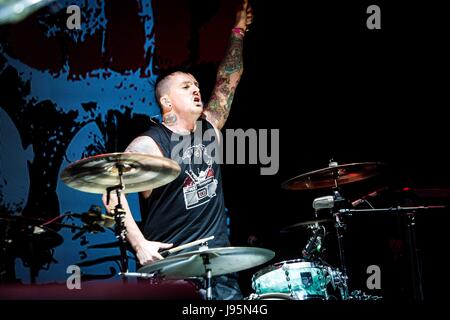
x=301 y=279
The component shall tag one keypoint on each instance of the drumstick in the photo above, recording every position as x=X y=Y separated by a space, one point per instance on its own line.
x=165 y=253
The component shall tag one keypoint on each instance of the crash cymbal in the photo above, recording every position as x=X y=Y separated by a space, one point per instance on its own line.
x=334 y=176
x=305 y=224
x=221 y=261
x=140 y=172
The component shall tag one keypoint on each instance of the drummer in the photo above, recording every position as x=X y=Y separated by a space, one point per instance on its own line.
x=192 y=206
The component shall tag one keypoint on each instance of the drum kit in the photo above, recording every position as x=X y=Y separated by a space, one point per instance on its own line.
x=305 y=278
x=310 y=277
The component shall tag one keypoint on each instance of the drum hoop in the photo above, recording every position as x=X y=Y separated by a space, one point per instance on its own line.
x=280 y=295
x=279 y=265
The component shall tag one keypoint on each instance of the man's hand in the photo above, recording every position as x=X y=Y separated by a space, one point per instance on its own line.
x=244 y=17
x=147 y=251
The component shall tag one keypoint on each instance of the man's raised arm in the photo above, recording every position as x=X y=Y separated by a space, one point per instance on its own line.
x=230 y=71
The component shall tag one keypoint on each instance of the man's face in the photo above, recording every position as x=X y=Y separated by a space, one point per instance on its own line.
x=184 y=94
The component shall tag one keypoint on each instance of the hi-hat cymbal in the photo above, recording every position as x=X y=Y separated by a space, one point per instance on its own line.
x=140 y=172
x=334 y=176
x=221 y=261
x=305 y=224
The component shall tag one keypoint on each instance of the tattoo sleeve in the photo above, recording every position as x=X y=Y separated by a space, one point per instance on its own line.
x=142 y=144
x=228 y=76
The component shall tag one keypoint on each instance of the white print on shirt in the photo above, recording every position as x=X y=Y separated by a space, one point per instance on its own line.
x=198 y=187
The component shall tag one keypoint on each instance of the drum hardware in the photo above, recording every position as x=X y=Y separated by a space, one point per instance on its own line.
x=138 y=172
x=361 y=296
x=140 y=275
x=350 y=212
x=424 y=193
x=300 y=279
x=270 y=296
x=313 y=248
x=134 y=172
x=340 y=227
x=30 y=239
x=410 y=214
x=208 y=262
x=203 y=246
x=332 y=177
x=94 y=219
x=334 y=203
x=120 y=173
x=306 y=224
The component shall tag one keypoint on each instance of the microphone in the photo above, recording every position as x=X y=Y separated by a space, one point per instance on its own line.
x=369 y=195
x=326 y=202
x=314 y=244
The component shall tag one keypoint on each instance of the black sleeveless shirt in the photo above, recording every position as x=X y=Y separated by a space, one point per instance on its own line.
x=191 y=207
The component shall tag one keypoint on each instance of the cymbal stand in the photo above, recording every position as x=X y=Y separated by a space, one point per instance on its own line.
x=411 y=224
x=416 y=269
x=340 y=228
x=208 y=271
x=119 y=217
x=208 y=277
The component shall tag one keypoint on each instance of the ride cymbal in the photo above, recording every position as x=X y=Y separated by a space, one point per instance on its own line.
x=334 y=176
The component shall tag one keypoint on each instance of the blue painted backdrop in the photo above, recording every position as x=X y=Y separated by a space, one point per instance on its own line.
x=68 y=94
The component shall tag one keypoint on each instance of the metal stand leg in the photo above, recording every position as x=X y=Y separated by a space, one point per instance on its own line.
x=414 y=257
x=340 y=237
x=120 y=229
x=208 y=284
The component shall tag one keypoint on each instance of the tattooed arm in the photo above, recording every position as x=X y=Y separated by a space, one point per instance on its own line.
x=146 y=251
x=229 y=73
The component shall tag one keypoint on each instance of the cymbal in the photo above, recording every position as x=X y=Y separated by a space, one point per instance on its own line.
x=140 y=172
x=426 y=193
x=333 y=176
x=46 y=237
x=23 y=237
x=221 y=261
x=305 y=224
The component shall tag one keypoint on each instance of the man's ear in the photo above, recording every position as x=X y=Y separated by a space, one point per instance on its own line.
x=165 y=102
